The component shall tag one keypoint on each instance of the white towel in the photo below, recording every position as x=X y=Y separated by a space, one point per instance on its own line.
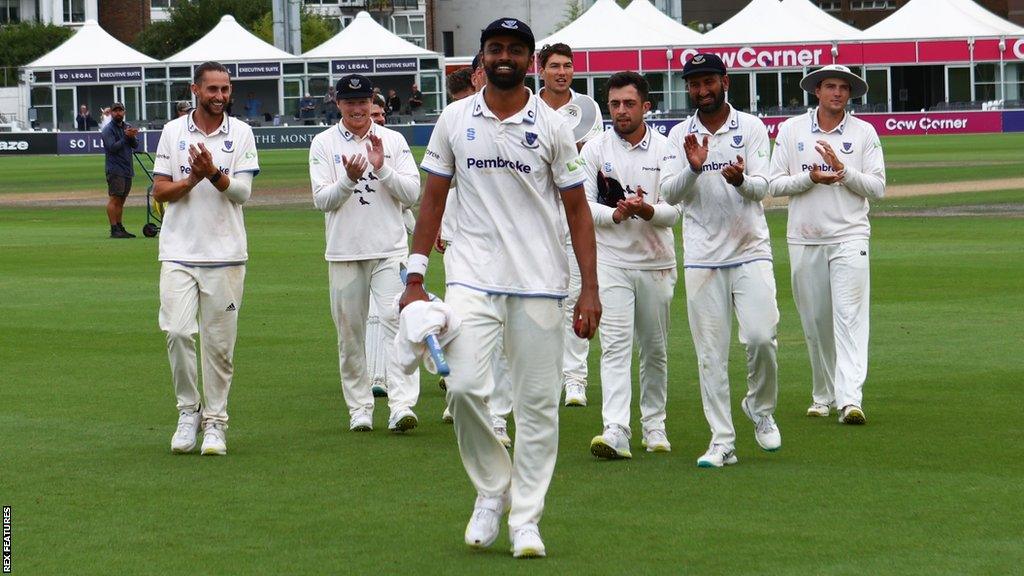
x=415 y=323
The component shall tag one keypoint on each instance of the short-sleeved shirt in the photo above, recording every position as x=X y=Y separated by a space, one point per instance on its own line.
x=204 y=226
x=508 y=236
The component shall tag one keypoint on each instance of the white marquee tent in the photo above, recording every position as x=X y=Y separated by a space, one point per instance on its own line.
x=924 y=19
x=606 y=25
x=775 y=22
x=90 y=46
x=228 y=41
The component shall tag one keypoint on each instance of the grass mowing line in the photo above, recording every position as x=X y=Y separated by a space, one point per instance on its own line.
x=974 y=157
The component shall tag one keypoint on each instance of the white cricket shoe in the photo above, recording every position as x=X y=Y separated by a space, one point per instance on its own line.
x=766 y=432
x=526 y=542
x=446 y=417
x=656 y=441
x=184 y=439
x=819 y=410
x=502 y=433
x=575 y=393
x=214 y=443
x=717 y=456
x=361 y=420
x=612 y=444
x=485 y=523
x=402 y=420
x=851 y=414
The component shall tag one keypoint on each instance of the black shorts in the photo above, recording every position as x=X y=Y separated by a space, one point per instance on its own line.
x=118 y=185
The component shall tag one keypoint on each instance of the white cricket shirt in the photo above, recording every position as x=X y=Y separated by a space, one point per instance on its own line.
x=634 y=243
x=508 y=236
x=723 y=225
x=823 y=213
x=204 y=226
x=364 y=218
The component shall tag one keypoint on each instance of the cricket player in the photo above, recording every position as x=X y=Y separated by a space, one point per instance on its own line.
x=584 y=117
x=376 y=336
x=204 y=166
x=717 y=166
x=363 y=177
x=830 y=163
x=506 y=273
x=636 y=266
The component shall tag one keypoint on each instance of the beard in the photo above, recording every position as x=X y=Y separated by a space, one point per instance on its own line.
x=505 y=81
x=714 y=106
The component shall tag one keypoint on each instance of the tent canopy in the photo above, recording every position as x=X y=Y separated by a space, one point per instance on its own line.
x=775 y=22
x=364 y=37
x=606 y=25
x=228 y=41
x=644 y=11
x=90 y=46
x=923 y=19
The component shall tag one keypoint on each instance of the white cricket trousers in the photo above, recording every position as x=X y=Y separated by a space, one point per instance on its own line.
x=831 y=287
x=532 y=329
x=352 y=285
x=635 y=304
x=576 y=349
x=711 y=296
x=501 y=398
x=205 y=301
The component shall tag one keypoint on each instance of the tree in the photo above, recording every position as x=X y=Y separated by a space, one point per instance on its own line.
x=22 y=43
x=316 y=29
x=573 y=10
x=189 y=21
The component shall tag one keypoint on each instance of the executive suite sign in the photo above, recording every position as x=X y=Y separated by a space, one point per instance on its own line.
x=87 y=75
x=375 y=66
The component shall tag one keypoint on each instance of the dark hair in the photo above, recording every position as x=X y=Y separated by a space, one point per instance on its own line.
x=460 y=81
x=623 y=79
x=208 y=67
x=550 y=50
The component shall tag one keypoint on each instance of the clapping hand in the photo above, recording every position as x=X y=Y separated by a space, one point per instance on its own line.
x=201 y=161
x=827 y=154
x=734 y=172
x=355 y=166
x=375 y=152
x=696 y=153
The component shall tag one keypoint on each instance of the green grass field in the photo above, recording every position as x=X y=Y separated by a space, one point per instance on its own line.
x=930 y=486
x=912 y=159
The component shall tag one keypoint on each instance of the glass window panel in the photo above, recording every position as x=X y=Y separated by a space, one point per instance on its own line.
x=739 y=91
x=294 y=68
x=318 y=67
x=878 y=87
x=767 y=90
x=959 y=84
x=156 y=73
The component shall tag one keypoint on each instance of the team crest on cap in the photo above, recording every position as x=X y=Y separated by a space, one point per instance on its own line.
x=510 y=24
x=847 y=147
x=355 y=83
x=698 y=59
x=737 y=141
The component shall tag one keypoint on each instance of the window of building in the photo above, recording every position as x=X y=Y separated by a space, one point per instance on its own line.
x=74 y=11
x=987 y=82
x=162 y=4
x=10 y=11
x=1014 y=83
x=448 y=42
x=830 y=5
x=873 y=5
x=410 y=27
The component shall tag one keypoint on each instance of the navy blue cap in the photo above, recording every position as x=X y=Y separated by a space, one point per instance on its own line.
x=476 y=62
x=703 y=64
x=510 y=26
x=353 y=86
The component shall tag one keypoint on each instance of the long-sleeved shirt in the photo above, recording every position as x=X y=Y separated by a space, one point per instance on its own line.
x=823 y=213
x=723 y=225
x=118 y=148
x=363 y=217
x=635 y=243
